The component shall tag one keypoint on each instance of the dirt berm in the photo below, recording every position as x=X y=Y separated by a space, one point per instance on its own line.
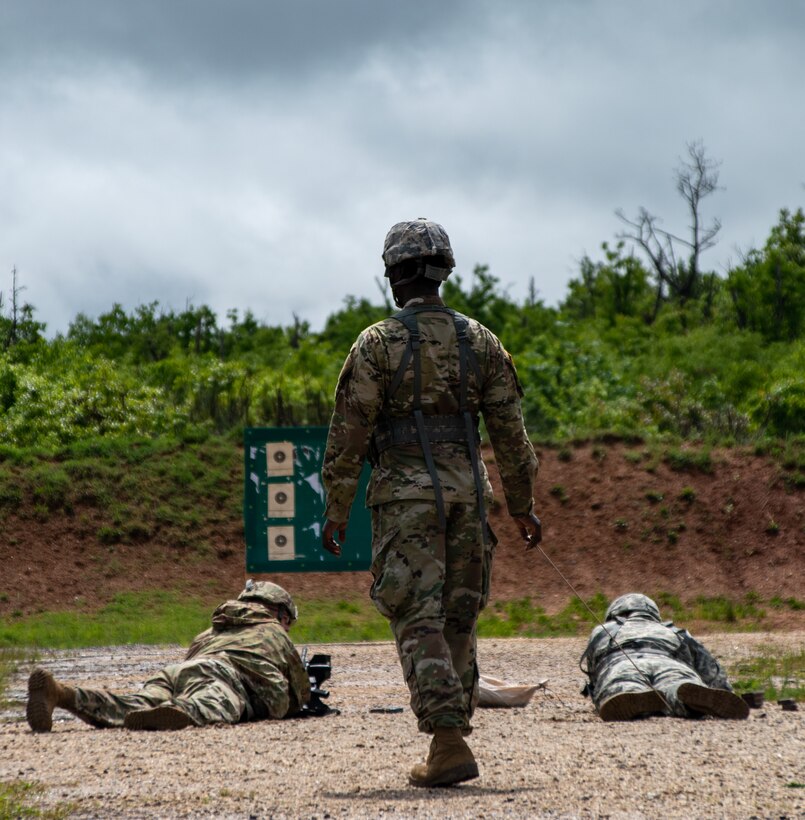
x=616 y=517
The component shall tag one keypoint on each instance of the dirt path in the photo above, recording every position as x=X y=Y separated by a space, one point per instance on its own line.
x=554 y=758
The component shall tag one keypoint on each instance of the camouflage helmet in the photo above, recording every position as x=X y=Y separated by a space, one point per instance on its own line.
x=633 y=602
x=267 y=593
x=415 y=239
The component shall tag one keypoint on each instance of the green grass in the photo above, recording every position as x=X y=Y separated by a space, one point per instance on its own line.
x=794 y=604
x=776 y=675
x=17 y=800
x=689 y=461
x=339 y=622
x=525 y=619
x=155 y=617
x=169 y=617
x=136 y=488
x=795 y=481
x=10 y=492
x=746 y=613
x=164 y=617
x=790 y=453
x=723 y=610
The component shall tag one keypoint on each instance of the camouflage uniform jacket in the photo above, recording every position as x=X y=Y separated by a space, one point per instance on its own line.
x=401 y=473
x=258 y=647
x=639 y=636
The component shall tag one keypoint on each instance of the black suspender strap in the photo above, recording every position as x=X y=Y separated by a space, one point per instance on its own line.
x=434 y=476
x=464 y=351
x=410 y=322
x=467 y=359
x=404 y=362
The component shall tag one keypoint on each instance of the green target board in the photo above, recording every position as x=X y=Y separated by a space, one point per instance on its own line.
x=283 y=505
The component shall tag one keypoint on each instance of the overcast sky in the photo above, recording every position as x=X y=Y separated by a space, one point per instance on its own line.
x=253 y=154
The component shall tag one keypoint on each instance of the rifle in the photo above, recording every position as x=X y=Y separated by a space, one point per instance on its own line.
x=318 y=670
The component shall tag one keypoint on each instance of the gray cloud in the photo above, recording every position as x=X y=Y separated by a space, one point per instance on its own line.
x=254 y=154
x=210 y=40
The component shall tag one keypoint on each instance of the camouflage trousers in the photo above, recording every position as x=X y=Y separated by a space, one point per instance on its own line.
x=665 y=674
x=431 y=586
x=208 y=689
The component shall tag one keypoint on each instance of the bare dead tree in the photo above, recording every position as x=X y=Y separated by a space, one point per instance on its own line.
x=297 y=332
x=679 y=278
x=12 y=331
x=381 y=286
x=533 y=293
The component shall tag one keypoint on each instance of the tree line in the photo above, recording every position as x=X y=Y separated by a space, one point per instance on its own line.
x=647 y=342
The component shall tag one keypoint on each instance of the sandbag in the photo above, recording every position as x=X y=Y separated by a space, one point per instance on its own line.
x=495 y=693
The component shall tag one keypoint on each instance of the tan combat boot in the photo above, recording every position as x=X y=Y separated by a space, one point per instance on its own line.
x=45 y=693
x=716 y=702
x=449 y=761
x=631 y=705
x=157 y=718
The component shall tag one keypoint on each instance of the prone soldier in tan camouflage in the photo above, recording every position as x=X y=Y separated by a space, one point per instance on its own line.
x=408 y=399
x=244 y=667
x=639 y=666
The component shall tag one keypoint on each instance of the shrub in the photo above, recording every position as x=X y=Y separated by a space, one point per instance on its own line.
x=690 y=461
x=50 y=485
x=10 y=491
x=781 y=409
x=558 y=491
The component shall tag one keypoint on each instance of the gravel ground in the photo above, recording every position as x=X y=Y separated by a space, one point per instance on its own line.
x=553 y=758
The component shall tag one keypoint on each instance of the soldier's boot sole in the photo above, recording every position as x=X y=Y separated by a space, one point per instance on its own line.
x=631 y=705
x=450 y=761
x=716 y=702
x=421 y=777
x=45 y=693
x=159 y=718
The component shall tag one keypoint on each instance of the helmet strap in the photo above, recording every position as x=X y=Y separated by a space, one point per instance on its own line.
x=437 y=274
x=395 y=288
x=423 y=271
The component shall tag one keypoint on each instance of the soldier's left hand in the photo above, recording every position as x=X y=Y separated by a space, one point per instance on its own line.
x=328 y=541
x=530 y=528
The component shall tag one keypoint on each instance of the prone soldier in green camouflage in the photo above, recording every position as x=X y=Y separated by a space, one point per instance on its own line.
x=244 y=667
x=408 y=399
x=638 y=666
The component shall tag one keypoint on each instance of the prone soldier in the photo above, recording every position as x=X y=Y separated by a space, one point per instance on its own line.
x=244 y=667
x=638 y=666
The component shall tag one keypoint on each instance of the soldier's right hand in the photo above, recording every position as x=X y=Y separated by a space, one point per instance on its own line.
x=328 y=541
x=530 y=528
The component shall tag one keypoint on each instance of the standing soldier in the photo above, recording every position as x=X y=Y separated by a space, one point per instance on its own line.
x=408 y=399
